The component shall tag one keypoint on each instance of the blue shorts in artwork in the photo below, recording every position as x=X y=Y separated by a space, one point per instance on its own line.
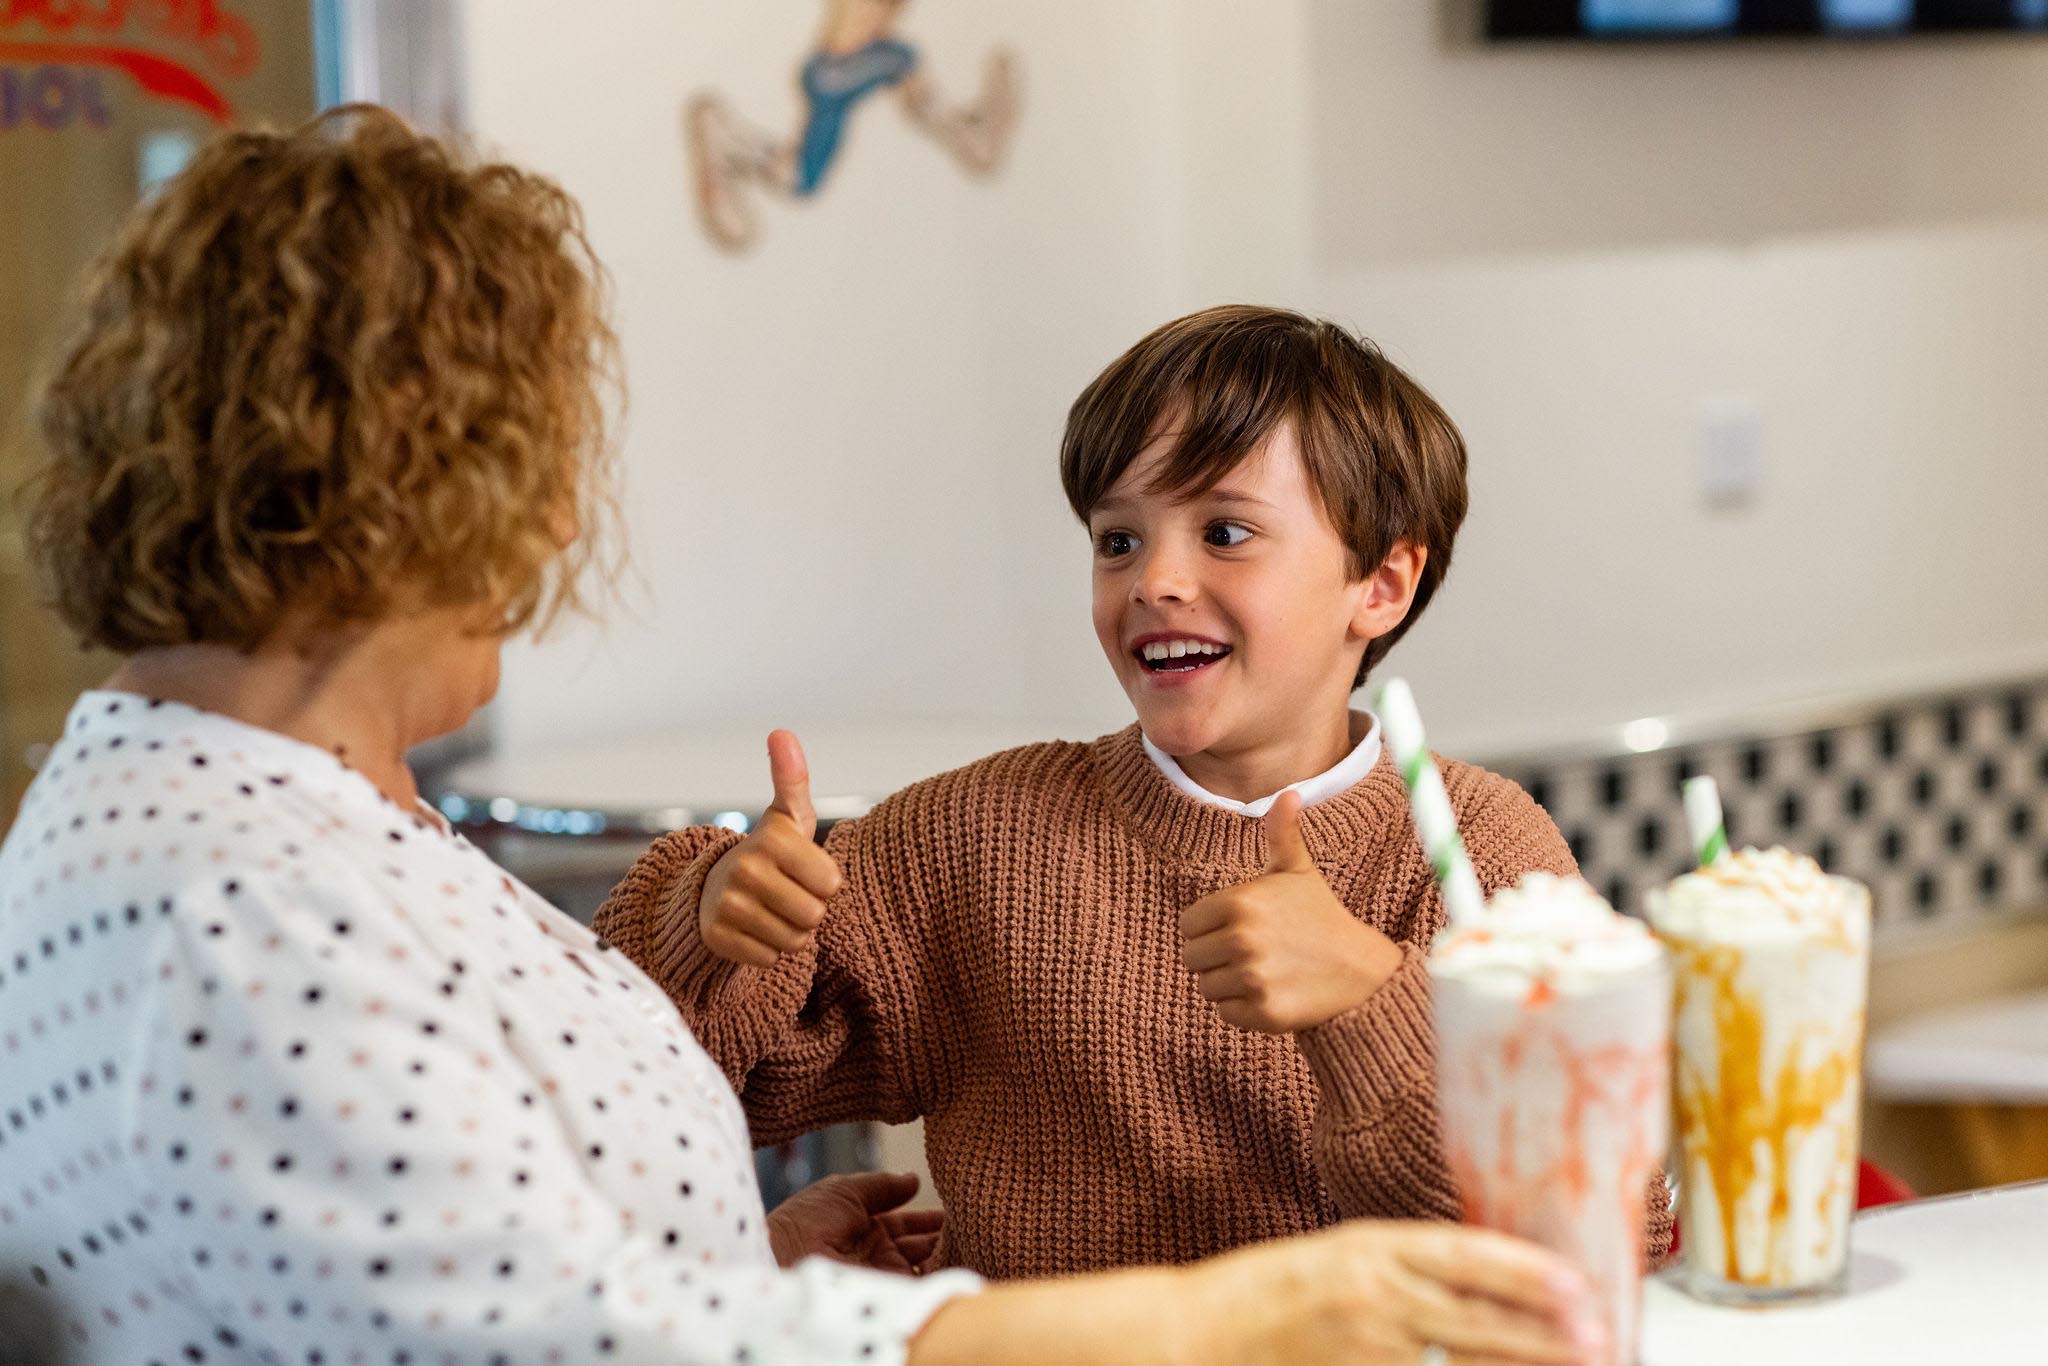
x=833 y=84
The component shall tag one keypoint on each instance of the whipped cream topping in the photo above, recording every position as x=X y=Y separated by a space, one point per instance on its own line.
x=1759 y=893
x=1548 y=929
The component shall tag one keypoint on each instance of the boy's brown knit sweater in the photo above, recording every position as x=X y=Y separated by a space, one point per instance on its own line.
x=1004 y=960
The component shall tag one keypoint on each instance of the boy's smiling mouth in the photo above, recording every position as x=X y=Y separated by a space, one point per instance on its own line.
x=1166 y=653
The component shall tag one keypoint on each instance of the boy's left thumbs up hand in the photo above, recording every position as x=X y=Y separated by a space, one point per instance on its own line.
x=1280 y=953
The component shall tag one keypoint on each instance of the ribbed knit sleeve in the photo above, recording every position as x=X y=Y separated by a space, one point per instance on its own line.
x=816 y=1039
x=844 y=1053
x=1376 y=1138
x=1505 y=832
x=737 y=1012
x=1375 y=1133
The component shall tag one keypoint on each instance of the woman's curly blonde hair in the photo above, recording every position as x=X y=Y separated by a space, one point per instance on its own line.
x=324 y=377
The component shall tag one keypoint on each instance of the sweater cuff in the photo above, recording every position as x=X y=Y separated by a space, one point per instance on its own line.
x=1380 y=1052
x=661 y=896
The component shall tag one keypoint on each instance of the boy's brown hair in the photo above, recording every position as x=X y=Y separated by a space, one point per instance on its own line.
x=1385 y=460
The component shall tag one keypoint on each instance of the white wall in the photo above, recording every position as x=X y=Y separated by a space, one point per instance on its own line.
x=840 y=456
x=1896 y=541
x=1575 y=248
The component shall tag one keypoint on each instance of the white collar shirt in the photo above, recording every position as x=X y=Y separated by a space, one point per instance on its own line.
x=1346 y=774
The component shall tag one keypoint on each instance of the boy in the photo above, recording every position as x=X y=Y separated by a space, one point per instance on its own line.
x=1161 y=994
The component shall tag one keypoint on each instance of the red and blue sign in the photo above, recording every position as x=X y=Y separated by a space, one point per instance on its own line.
x=52 y=98
x=58 y=58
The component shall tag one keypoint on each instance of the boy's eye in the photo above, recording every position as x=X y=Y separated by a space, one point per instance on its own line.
x=1226 y=534
x=1111 y=544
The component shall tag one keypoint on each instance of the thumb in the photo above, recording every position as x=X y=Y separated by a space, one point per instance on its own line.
x=1286 y=850
x=791 y=775
x=881 y=1192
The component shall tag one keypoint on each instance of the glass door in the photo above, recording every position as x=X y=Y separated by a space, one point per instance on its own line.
x=100 y=99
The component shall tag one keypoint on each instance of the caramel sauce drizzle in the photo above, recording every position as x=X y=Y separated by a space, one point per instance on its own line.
x=1754 y=1110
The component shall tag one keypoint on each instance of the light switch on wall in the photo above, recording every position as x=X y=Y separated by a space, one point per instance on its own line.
x=1731 y=460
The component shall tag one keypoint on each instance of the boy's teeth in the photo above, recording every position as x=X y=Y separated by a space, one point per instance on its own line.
x=1160 y=650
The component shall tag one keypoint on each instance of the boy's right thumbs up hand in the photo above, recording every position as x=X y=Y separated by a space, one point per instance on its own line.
x=1280 y=953
x=768 y=894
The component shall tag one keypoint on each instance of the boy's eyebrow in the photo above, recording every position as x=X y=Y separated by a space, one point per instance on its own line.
x=1112 y=506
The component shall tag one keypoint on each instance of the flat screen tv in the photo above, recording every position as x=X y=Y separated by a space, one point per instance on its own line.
x=1640 y=19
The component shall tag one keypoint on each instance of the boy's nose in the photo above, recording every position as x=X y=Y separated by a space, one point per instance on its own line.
x=1163 y=577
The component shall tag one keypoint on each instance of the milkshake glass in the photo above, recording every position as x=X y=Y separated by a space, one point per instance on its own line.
x=1771 y=961
x=1553 y=1068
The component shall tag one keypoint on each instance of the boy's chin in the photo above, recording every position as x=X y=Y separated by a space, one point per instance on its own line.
x=1177 y=734
x=1184 y=720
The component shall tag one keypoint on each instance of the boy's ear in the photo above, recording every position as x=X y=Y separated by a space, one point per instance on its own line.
x=1389 y=591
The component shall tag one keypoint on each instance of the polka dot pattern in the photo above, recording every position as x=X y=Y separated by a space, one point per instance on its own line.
x=292 y=1075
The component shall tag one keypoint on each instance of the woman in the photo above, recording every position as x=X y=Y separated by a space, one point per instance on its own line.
x=293 y=1073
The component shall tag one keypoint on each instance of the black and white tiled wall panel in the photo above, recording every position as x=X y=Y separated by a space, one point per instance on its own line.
x=1939 y=804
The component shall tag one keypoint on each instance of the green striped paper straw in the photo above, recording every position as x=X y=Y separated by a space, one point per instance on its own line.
x=1434 y=821
x=1703 y=820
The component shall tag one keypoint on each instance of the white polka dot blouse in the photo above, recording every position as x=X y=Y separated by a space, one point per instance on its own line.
x=289 y=1075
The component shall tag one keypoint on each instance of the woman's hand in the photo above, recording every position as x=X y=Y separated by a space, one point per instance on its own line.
x=1391 y=1291
x=1359 y=1294
x=856 y=1219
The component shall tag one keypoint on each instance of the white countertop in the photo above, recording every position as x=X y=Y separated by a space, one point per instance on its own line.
x=1989 y=1051
x=1956 y=1281
x=688 y=776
